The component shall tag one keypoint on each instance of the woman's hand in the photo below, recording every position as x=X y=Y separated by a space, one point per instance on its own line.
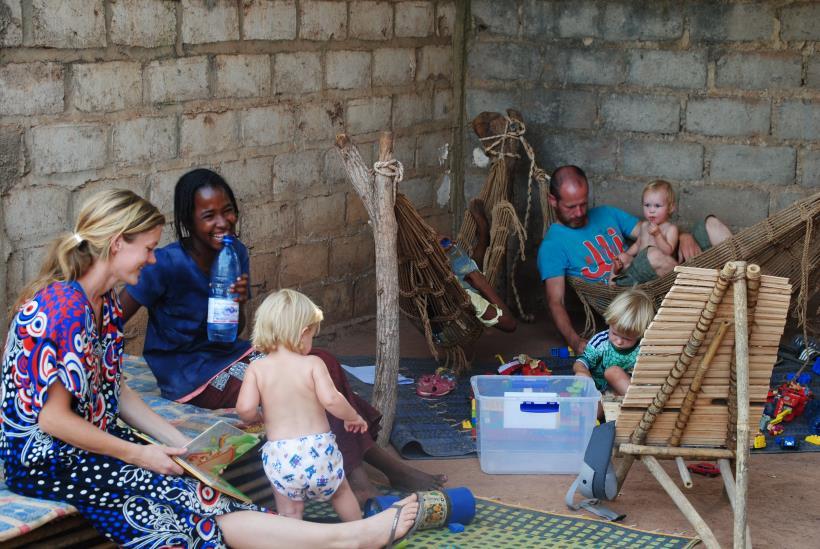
x=240 y=287
x=157 y=458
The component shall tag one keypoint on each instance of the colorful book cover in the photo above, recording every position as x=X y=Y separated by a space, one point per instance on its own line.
x=211 y=452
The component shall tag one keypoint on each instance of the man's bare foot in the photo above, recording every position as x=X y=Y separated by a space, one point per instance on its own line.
x=379 y=528
x=413 y=479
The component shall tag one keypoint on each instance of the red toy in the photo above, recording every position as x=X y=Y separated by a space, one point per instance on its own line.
x=526 y=366
x=788 y=396
x=704 y=468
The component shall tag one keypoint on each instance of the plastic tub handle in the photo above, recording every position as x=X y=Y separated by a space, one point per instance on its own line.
x=539 y=407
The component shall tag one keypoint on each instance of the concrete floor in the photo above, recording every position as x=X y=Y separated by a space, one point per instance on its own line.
x=784 y=500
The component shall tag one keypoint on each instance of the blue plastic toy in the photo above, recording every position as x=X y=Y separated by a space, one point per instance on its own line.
x=816 y=367
x=458 y=505
x=788 y=443
x=560 y=352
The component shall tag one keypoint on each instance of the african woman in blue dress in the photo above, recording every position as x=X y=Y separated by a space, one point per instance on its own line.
x=62 y=397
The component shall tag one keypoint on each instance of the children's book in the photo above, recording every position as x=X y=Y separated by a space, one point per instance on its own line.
x=211 y=452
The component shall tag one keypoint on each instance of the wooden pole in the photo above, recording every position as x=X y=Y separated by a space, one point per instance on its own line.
x=662 y=452
x=729 y=484
x=379 y=197
x=742 y=365
x=752 y=290
x=697 y=381
x=685 y=477
x=680 y=500
x=689 y=352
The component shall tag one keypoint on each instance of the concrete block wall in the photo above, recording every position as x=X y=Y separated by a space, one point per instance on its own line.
x=134 y=93
x=720 y=98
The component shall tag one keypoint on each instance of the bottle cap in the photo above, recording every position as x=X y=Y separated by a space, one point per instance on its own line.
x=445 y=242
x=228 y=239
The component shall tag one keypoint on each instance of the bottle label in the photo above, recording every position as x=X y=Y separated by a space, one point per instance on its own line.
x=223 y=311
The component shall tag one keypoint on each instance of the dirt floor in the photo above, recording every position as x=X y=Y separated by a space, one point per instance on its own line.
x=784 y=499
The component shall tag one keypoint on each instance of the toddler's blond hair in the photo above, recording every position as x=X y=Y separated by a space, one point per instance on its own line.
x=661 y=185
x=630 y=313
x=281 y=319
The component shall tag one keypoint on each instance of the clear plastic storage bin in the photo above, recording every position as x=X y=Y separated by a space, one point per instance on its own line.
x=533 y=424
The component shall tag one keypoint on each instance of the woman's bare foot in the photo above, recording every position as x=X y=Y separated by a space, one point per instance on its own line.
x=379 y=527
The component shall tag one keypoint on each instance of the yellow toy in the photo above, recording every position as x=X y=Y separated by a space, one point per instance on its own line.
x=760 y=441
x=813 y=439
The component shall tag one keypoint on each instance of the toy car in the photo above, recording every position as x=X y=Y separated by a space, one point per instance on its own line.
x=704 y=468
x=788 y=443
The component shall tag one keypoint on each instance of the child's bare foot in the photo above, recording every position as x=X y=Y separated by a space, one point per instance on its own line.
x=389 y=526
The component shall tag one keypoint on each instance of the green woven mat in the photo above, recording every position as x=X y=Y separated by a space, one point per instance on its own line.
x=502 y=526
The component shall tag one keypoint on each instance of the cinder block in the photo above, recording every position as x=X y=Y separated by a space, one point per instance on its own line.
x=754 y=71
x=625 y=21
x=410 y=109
x=443 y=104
x=336 y=299
x=242 y=76
x=111 y=86
x=404 y=150
x=297 y=73
x=748 y=164
x=44 y=202
x=355 y=212
x=717 y=22
x=445 y=18
x=251 y=179
x=364 y=295
x=31 y=88
x=352 y=254
x=393 y=66
x=174 y=80
x=371 y=20
x=479 y=101
x=81 y=194
x=435 y=62
x=728 y=116
x=579 y=20
x=799 y=22
x=784 y=199
x=319 y=217
x=560 y=108
x=662 y=159
x=491 y=60
x=161 y=187
x=591 y=153
x=813 y=74
x=11 y=20
x=347 y=69
x=208 y=21
x=319 y=121
x=414 y=19
x=12 y=157
x=144 y=140
x=68 y=148
x=368 y=114
x=68 y=23
x=810 y=168
x=603 y=67
x=641 y=113
x=670 y=69
x=797 y=120
x=264 y=126
x=323 y=20
x=735 y=207
x=298 y=174
x=207 y=133
x=272 y=225
x=143 y=24
x=303 y=263
x=625 y=195
x=269 y=20
x=433 y=149
x=494 y=17
x=419 y=191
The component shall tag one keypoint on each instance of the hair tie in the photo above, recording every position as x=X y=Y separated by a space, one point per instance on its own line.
x=78 y=238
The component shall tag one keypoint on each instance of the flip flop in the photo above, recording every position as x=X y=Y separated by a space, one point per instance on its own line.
x=392 y=541
x=433 y=385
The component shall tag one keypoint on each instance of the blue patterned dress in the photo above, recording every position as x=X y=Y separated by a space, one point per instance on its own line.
x=53 y=338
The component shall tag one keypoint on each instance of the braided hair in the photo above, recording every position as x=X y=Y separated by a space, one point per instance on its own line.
x=184 y=192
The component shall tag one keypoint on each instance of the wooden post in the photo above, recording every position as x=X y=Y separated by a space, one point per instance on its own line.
x=742 y=366
x=680 y=500
x=729 y=484
x=379 y=197
x=662 y=452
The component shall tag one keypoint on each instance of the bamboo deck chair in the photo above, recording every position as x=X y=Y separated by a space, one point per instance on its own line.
x=784 y=244
x=701 y=379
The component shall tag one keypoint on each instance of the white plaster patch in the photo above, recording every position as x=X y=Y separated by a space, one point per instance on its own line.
x=443 y=192
x=480 y=159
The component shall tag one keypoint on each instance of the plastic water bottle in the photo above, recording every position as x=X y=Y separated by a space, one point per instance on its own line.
x=223 y=311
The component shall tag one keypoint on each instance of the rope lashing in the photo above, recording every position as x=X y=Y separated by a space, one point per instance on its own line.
x=390 y=168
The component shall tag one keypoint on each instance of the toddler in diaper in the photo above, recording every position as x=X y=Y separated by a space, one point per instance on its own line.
x=301 y=458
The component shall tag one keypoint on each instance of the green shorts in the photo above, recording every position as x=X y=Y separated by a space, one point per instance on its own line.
x=700 y=235
x=639 y=271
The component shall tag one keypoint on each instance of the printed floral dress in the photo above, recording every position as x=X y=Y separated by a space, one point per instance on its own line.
x=53 y=338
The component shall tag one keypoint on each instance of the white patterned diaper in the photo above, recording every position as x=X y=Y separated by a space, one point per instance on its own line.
x=303 y=468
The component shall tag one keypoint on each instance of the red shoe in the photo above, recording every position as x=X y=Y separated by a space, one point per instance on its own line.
x=433 y=385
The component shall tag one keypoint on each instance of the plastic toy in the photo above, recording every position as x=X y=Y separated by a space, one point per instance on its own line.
x=760 y=441
x=451 y=506
x=704 y=468
x=816 y=367
x=813 y=439
x=526 y=366
x=788 y=443
x=561 y=352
